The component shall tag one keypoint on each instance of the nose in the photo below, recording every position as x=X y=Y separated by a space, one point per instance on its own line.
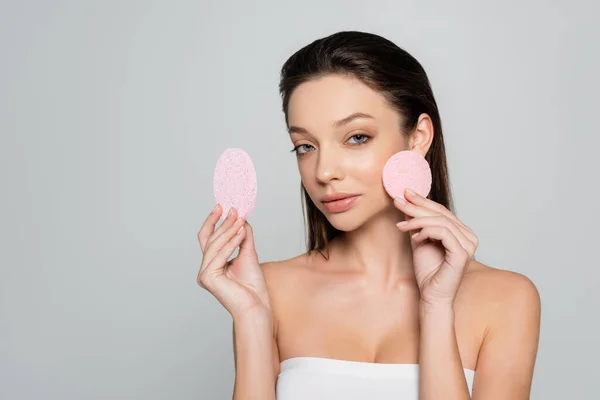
x=329 y=165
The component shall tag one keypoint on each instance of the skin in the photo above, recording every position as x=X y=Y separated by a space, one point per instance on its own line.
x=366 y=302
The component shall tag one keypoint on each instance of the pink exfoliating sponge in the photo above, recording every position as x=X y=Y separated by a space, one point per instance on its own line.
x=407 y=169
x=235 y=182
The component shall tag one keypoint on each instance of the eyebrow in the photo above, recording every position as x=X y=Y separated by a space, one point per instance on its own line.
x=336 y=124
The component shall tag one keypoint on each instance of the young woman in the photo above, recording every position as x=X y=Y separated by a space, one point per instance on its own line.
x=373 y=308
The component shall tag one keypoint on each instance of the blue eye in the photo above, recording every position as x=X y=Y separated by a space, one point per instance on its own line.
x=361 y=135
x=365 y=138
x=298 y=147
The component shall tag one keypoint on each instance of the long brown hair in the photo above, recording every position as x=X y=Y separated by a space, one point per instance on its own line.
x=391 y=71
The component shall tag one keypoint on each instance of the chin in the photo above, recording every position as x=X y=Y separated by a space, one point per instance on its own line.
x=357 y=216
x=347 y=221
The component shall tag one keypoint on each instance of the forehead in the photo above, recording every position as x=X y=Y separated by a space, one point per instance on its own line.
x=333 y=97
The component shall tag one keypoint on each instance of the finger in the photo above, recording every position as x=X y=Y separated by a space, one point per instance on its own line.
x=439 y=220
x=215 y=246
x=455 y=253
x=208 y=226
x=426 y=206
x=231 y=218
x=247 y=247
x=220 y=258
x=411 y=210
x=456 y=258
x=436 y=207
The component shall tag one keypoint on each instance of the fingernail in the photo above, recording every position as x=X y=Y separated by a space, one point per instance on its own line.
x=402 y=223
x=410 y=192
x=415 y=235
x=215 y=209
x=400 y=200
x=240 y=230
x=230 y=212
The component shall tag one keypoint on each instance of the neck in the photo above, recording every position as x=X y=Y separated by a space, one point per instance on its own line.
x=377 y=250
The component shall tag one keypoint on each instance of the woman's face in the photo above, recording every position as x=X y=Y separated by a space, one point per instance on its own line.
x=338 y=155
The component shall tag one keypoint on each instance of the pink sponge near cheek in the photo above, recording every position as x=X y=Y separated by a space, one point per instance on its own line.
x=235 y=182
x=407 y=169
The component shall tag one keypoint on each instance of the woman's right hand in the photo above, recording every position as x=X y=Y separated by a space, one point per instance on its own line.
x=239 y=284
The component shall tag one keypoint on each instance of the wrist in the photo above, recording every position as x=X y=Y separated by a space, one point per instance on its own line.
x=436 y=309
x=254 y=317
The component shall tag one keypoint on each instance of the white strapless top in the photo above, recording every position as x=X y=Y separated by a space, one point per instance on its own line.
x=317 y=378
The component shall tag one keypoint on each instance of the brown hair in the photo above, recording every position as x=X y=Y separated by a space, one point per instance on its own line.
x=386 y=68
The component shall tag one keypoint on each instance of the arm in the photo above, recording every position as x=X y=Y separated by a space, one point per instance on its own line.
x=507 y=355
x=255 y=352
x=441 y=374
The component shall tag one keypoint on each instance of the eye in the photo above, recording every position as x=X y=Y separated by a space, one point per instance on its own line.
x=361 y=136
x=304 y=148
x=299 y=147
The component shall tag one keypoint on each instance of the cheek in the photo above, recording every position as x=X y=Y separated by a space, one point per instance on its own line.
x=307 y=175
x=367 y=165
x=305 y=170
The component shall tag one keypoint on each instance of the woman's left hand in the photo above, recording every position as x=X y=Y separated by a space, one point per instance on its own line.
x=442 y=248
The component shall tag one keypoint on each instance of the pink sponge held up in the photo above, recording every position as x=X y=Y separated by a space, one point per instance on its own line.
x=235 y=182
x=407 y=169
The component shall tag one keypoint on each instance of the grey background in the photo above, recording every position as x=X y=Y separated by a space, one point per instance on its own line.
x=112 y=117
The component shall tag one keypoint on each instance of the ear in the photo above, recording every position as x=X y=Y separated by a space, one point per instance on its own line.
x=421 y=138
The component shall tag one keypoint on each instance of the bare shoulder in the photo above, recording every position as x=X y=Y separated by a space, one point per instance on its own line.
x=508 y=308
x=500 y=297
x=282 y=278
x=498 y=286
x=500 y=311
x=280 y=274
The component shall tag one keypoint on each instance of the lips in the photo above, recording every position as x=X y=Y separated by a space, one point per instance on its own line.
x=336 y=196
x=340 y=204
